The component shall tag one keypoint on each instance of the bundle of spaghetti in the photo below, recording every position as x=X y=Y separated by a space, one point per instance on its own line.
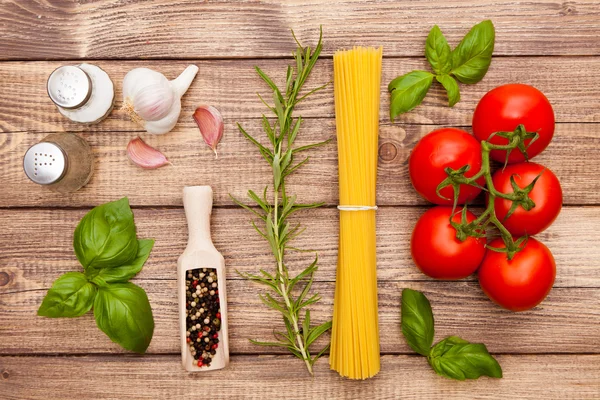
x=355 y=331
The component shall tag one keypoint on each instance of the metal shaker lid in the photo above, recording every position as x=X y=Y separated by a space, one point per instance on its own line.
x=69 y=87
x=45 y=163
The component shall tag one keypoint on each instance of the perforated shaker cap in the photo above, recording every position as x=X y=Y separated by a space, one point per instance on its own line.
x=69 y=87
x=45 y=163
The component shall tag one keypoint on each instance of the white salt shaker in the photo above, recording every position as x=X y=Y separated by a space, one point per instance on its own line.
x=83 y=93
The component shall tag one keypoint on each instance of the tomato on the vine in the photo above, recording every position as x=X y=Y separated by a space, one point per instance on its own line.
x=521 y=283
x=447 y=147
x=546 y=194
x=504 y=108
x=437 y=251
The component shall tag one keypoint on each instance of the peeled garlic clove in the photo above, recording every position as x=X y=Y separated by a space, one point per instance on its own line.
x=145 y=156
x=210 y=123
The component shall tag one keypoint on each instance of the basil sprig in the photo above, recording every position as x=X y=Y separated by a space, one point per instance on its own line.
x=452 y=357
x=106 y=245
x=468 y=63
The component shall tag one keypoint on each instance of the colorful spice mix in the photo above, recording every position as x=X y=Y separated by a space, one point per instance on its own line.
x=203 y=314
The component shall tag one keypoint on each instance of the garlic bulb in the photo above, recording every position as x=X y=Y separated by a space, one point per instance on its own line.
x=153 y=101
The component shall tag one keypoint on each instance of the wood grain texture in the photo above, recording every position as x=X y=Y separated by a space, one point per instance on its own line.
x=36 y=245
x=240 y=167
x=251 y=377
x=231 y=86
x=36 y=29
x=71 y=358
x=568 y=321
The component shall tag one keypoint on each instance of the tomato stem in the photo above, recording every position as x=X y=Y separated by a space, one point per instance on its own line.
x=456 y=178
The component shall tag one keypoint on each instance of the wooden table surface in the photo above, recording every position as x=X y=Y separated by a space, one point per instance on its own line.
x=552 y=351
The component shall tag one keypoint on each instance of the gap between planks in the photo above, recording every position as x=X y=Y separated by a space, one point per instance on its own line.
x=264 y=58
x=234 y=207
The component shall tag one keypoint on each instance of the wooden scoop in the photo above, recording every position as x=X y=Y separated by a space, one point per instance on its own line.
x=201 y=253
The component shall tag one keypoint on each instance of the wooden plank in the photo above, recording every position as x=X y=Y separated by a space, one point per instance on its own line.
x=252 y=377
x=240 y=167
x=567 y=322
x=36 y=29
x=231 y=85
x=36 y=245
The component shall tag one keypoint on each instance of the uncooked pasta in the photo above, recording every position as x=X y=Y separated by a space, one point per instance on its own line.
x=355 y=332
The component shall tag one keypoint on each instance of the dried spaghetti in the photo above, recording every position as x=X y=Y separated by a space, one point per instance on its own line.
x=355 y=332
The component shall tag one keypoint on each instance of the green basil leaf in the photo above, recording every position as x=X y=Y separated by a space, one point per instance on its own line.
x=105 y=237
x=71 y=295
x=473 y=55
x=408 y=91
x=125 y=272
x=123 y=312
x=438 y=51
x=444 y=345
x=456 y=358
x=451 y=86
x=417 y=321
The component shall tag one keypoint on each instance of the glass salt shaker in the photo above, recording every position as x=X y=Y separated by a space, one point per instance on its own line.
x=63 y=162
x=83 y=93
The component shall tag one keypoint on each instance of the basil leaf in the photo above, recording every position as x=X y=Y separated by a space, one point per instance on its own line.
x=408 y=91
x=417 y=321
x=71 y=295
x=123 y=312
x=438 y=51
x=443 y=346
x=125 y=272
x=456 y=358
x=473 y=55
x=105 y=237
x=451 y=86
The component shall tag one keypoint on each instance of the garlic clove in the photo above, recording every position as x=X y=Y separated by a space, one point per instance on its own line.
x=210 y=123
x=144 y=155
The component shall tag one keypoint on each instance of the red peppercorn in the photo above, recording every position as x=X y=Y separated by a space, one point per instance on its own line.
x=214 y=346
x=199 y=363
x=216 y=292
x=216 y=335
x=219 y=315
x=188 y=340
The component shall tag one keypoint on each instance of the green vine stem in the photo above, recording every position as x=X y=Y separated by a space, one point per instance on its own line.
x=519 y=197
x=290 y=296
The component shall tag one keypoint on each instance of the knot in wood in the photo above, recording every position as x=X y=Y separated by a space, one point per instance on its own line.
x=567 y=8
x=4 y=278
x=388 y=151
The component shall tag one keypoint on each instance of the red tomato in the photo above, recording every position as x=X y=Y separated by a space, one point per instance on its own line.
x=521 y=283
x=436 y=250
x=546 y=194
x=507 y=106
x=447 y=147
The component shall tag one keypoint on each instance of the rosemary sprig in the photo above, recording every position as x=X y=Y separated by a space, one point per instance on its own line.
x=288 y=295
